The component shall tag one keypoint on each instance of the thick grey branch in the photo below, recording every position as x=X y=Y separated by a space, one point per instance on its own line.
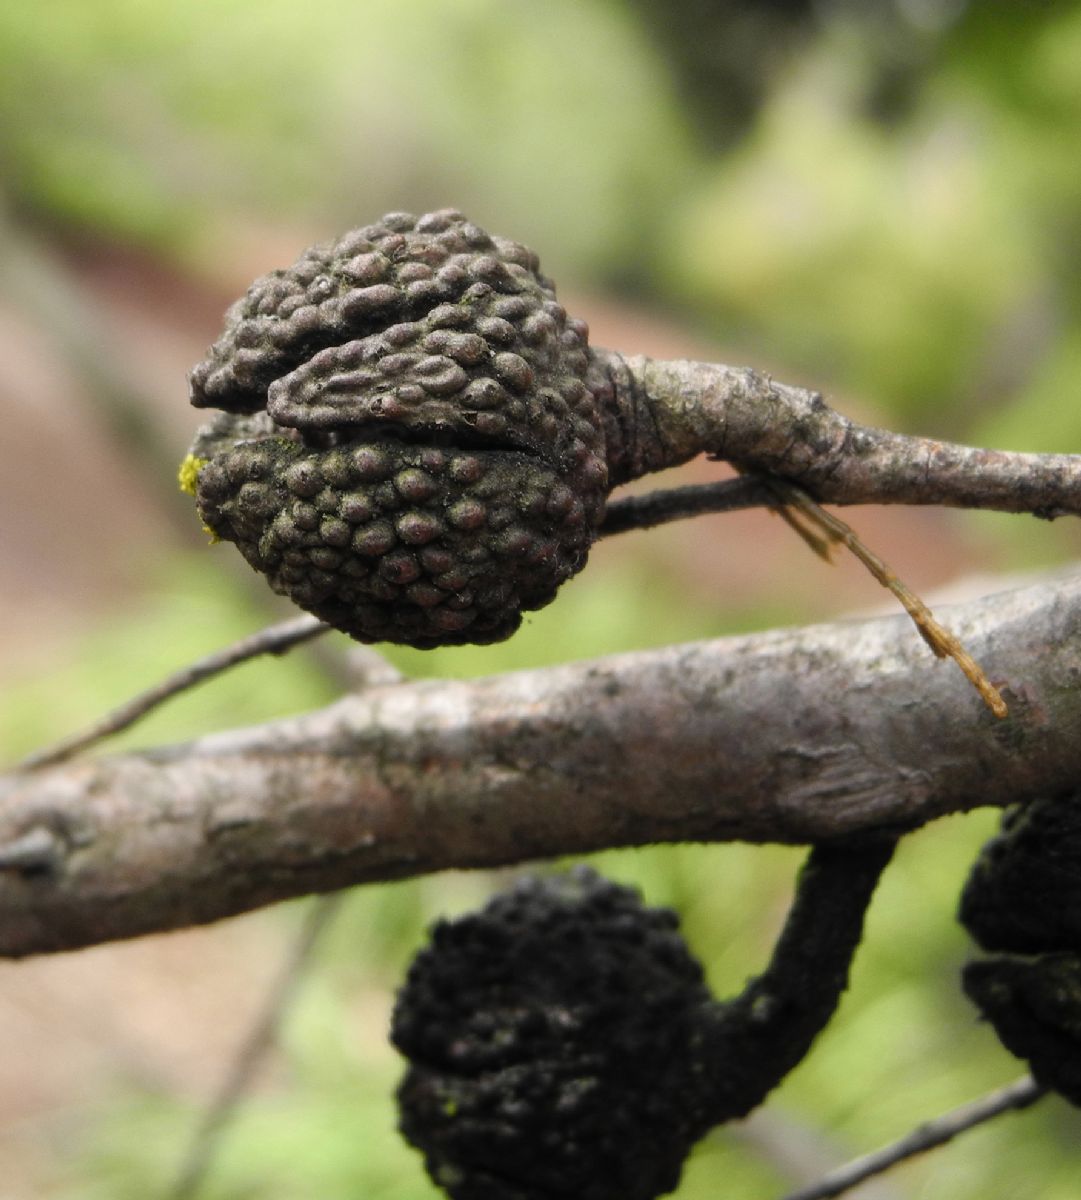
x=794 y=736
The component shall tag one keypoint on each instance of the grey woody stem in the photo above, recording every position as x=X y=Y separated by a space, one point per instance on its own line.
x=750 y=420
x=1014 y=1097
x=756 y=1038
x=803 y=735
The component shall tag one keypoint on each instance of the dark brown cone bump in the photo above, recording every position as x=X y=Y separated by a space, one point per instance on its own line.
x=408 y=446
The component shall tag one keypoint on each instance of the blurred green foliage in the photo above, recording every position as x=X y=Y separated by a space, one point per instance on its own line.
x=923 y=259
x=157 y=122
x=928 y=264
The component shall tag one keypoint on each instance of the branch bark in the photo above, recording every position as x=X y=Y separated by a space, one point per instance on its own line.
x=800 y=735
x=677 y=410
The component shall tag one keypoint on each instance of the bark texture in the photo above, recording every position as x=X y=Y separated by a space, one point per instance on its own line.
x=802 y=735
x=679 y=409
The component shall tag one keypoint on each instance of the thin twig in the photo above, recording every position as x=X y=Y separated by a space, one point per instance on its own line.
x=795 y=1148
x=624 y=515
x=673 y=504
x=275 y=639
x=943 y=643
x=1014 y=1096
x=199 y=1157
x=636 y=512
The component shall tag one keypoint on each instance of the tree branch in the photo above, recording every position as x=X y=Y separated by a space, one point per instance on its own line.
x=691 y=500
x=792 y=736
x=751 y=420
x=1020 y=1094
x=275 y=639
x=200 y=1154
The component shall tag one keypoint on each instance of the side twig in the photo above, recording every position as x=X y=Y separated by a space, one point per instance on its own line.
x=275 y=639
x=625 y=515
x=674 y=504
x=199 y=1157
x=1012 y=1098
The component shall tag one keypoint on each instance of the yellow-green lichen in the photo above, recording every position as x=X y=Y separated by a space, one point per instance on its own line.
x=187 y=476
x=189 y=473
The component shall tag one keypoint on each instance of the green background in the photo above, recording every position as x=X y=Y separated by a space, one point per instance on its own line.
x=881 y=201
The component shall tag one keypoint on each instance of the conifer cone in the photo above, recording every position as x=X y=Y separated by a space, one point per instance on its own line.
x=409 y=444
x=564 y=1045
x=555 y=1040
x=1023 y=901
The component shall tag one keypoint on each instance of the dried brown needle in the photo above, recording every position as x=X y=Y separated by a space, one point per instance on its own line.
x=821 y=531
